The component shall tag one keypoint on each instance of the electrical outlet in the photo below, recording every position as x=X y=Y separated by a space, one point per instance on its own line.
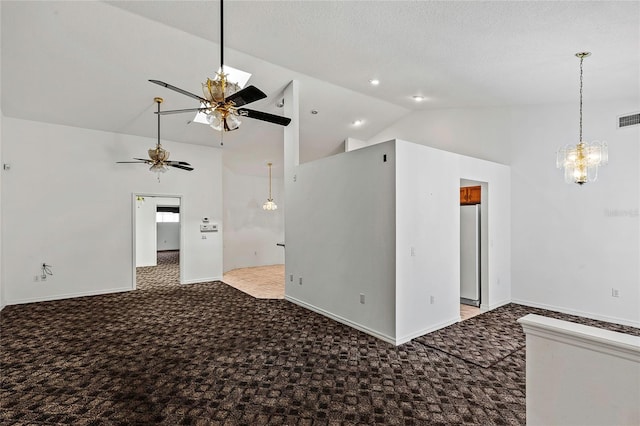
x=362 y=298
x=615 y=292
x=413 y=251
x=432 y=300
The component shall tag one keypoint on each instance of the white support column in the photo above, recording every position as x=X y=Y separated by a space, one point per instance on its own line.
x=291 y=161
x=292 y=131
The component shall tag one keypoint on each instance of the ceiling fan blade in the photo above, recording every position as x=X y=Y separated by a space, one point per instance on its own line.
x=179 y=166
x=180 y=111
x=264 y=116
x=146 y=160
x=179 y=90
x=137 y=162
x=181 y=163
x=246 y=96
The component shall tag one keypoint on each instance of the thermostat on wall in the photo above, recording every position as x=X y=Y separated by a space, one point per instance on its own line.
x=209 y=228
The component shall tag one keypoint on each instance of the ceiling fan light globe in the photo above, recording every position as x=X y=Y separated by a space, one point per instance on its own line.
x=230 y=89
x=217 y=123
x=163 y=155
x=232 y=122
x=158 y=168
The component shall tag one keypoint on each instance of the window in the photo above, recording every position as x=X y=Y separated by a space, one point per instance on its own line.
x=167 y=217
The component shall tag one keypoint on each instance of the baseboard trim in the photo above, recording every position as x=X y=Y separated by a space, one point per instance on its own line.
x=486 y=308
x=67 y=296
x=409 y=337
x=342 y=320
x=578 y=313
x=201 y=280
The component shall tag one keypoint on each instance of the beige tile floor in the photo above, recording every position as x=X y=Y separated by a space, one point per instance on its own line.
x=467 y=312
x=261 y=282
x=267 y=282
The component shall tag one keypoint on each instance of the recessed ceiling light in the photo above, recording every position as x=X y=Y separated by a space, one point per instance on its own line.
x=374 y=81
x=314 y=111
x=358 y=122
x=418 y=98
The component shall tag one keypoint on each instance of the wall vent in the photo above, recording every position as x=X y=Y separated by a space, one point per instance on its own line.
x=629 y=120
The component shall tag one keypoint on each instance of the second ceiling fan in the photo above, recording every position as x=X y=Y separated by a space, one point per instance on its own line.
x=223 y=100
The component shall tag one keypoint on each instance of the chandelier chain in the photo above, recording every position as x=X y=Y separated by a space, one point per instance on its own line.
x=581 y=60
x=270 y=182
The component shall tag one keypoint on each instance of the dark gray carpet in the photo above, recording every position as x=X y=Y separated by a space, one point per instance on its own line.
x=487 y=339
x=207 y=354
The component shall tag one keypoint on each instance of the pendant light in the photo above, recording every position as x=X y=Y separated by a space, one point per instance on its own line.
x=269 y=204
x=581 y=162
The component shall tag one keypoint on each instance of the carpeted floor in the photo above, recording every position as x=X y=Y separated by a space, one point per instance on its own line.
x=208 y=354
x=487 y=339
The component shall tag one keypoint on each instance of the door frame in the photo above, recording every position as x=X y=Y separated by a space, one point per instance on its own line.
x=134 y=196
x=484 y=239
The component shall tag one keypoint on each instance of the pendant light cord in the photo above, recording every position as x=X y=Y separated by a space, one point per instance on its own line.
x=270 y=198
x=580 y=140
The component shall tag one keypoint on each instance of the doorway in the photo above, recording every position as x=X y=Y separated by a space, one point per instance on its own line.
x=157 y=241
x=473 y=246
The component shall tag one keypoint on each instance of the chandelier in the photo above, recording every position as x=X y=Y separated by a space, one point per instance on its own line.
x=269 y=204
x=581 y=162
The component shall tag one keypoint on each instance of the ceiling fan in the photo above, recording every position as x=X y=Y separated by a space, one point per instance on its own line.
x=158 y=156
x=223 y=100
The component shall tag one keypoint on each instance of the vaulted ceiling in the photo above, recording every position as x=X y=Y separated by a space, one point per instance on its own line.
x=86 y=64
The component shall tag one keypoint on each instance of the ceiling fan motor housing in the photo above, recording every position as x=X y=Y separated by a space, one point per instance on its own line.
x=216 y=91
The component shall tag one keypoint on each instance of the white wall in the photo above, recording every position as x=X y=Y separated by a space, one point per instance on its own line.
x=475 y=132
x=351 y=144
x=167 y=233
x=66 y=202
x=428 y=221
x=2 y=303
x=358 y=225
x=572 y=244
x=427 y=239
x=341 y=238
x=168 y=236
x=251 y=233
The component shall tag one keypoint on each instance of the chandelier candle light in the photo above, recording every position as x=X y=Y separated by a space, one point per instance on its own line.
x=269 y=204
x=581 y=161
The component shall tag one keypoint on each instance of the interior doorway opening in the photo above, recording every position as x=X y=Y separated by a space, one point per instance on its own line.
x=473 y=247
x=158 y=242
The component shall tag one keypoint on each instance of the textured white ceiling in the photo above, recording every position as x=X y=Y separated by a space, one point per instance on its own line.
x=87 y=63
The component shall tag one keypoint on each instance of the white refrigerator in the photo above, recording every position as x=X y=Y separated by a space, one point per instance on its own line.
x=470 y=255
